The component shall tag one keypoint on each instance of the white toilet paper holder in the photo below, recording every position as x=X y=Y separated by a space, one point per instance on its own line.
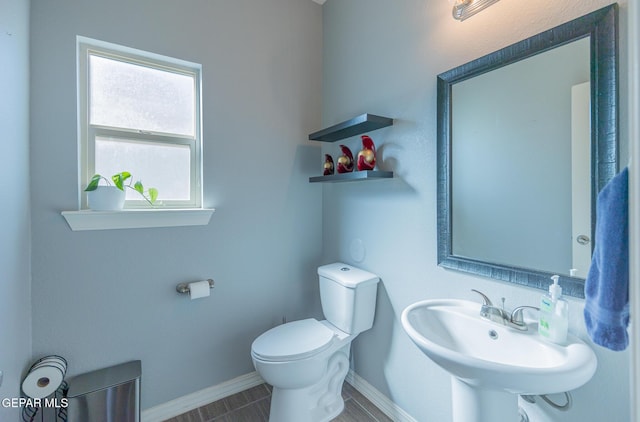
x=183 y=288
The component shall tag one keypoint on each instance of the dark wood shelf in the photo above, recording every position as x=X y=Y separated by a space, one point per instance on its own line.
x=352 y=177
x=356 y=126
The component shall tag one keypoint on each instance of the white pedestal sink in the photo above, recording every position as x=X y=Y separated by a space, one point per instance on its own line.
x=491 y=364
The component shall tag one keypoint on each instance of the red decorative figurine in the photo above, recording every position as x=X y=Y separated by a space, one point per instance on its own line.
x=328 y=165
x=345 y=161
x=367 y=156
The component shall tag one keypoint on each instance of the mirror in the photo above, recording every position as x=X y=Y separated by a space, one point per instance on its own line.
x=527 y=137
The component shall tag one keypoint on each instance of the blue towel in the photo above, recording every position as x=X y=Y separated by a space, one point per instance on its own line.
x=606 y=310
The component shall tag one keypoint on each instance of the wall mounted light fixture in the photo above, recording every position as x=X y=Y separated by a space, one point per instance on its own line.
x=463 y=9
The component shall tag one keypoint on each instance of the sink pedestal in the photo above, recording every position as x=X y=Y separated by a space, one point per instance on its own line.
x=473 y=404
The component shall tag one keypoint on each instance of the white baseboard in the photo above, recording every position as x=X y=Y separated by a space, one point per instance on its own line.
x=208 y=395
x=200 y=398
x=382 y=402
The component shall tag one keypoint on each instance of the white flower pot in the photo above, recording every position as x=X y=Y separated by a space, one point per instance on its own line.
x=106 y=198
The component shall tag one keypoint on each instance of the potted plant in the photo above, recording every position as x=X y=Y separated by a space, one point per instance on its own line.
x=111 y=197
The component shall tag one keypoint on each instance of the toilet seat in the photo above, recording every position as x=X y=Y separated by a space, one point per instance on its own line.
x=293 y=341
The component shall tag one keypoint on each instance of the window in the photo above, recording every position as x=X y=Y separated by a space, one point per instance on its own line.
x=140 y=112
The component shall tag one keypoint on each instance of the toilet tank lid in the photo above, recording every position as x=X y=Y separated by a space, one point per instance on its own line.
x=347 y=275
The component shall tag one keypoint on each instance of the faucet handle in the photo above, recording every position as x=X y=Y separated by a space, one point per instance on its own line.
x=486 y=301
x=517 y=316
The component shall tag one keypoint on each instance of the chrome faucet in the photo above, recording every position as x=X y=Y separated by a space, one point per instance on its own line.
x=492 y=313
x=517 y=318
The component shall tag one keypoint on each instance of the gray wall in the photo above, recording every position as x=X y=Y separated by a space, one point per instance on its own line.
x=15 y=283
x=383 y=57
x=104 y=297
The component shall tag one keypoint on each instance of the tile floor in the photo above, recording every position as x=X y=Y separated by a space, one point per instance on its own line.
x=252 y=405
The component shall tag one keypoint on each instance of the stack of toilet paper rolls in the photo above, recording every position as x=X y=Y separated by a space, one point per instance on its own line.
x=44 y=377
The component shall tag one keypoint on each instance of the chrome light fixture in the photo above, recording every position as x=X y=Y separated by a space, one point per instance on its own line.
x=463 y=9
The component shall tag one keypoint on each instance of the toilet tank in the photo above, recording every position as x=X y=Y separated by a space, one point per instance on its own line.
x=348 y=296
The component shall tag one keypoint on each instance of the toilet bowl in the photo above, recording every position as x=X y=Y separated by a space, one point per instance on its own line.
x=306 y=376
x=306 y=361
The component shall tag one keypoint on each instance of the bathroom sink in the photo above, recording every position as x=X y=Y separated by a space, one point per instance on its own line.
x=488 y=356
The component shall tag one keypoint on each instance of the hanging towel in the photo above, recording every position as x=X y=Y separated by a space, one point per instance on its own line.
x=606 y=310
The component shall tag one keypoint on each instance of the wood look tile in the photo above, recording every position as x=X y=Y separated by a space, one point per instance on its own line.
x=353 y=412
x=214 y=410
x=253 y=405
x=191 y=416
x=250 y=413
x=368 y=406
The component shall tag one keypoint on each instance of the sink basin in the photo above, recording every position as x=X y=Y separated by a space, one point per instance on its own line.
x=485 y=358
x=486 y=354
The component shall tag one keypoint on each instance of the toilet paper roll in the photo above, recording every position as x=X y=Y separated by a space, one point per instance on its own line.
x=42 y=381
x=199 y=289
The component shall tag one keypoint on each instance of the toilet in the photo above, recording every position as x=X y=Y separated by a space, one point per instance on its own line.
x=306 y=361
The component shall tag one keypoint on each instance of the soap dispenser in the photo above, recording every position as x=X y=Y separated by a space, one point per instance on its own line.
x=554 y=314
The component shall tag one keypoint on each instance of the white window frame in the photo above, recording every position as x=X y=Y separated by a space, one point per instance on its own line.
x=87 y=133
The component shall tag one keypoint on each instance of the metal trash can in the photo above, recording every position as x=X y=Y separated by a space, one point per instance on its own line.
x=106 y=395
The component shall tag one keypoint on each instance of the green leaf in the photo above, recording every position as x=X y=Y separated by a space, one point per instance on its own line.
x=93 y=183
x=139 y=188
x=117 y=180
x=153 y=194
x=120 y=178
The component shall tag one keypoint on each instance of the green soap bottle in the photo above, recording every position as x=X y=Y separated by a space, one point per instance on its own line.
x=553 y=324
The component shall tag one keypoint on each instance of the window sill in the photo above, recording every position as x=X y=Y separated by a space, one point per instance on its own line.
x=136 y=218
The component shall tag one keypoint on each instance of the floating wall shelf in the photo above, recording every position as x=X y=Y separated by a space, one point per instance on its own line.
x=356 y=126
x=353 y=176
